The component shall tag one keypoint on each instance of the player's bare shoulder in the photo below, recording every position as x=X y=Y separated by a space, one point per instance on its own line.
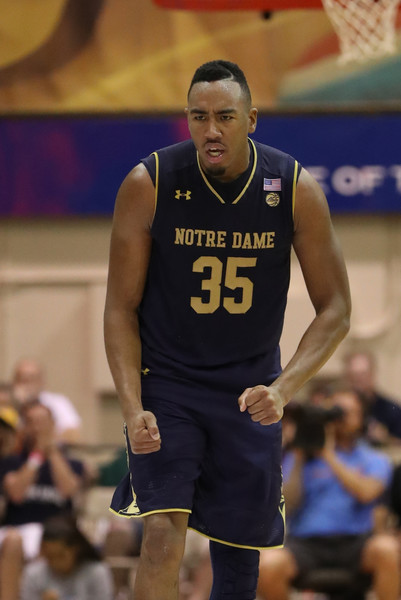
x=310 y=202
x=136 y=197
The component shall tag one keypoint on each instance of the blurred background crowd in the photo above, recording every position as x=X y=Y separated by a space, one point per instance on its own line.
x=342 y=483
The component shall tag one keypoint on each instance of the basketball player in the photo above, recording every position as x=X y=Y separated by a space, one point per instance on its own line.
x=198 y=279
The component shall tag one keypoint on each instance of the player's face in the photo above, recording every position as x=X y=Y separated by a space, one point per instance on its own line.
x=219 y=120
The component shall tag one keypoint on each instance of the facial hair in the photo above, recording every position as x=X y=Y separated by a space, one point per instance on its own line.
x=215 y=171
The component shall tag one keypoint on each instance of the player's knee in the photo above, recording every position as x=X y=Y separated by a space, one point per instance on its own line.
x=162 y=542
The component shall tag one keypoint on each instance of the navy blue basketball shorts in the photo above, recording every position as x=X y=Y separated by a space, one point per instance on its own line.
x=215 y=463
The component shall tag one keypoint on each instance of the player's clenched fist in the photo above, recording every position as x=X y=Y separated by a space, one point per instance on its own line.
x=264 y=404
x=144 y=435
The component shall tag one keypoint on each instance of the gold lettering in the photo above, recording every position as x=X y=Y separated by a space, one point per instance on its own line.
x=237 y=239
x=189 y=237
x=221 y=239
x=270 y=239
x=210 y=237
x=259 y=240
x=247 y=241
x=179 y=235
x=199 y=233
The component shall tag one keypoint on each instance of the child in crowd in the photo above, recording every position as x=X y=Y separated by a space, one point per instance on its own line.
x=69 y=568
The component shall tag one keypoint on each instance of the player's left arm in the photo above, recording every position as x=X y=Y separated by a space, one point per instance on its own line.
x=325 y=275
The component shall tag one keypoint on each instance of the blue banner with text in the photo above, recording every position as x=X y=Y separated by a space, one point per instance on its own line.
x=73 y=165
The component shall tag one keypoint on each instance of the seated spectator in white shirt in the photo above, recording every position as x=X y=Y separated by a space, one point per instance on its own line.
x=28 y=385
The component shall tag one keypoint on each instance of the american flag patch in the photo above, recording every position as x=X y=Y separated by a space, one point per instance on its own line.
x=272 y=185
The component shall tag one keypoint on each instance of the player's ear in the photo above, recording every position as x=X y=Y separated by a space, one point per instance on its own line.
x=252 y=119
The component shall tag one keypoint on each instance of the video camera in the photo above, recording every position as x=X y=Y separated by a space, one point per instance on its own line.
x=310 y=423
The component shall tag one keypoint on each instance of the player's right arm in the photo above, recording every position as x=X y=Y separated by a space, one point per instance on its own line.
x=130 y=249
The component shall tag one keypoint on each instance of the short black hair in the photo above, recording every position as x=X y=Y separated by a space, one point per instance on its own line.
x=216 y=70
x=63 y=528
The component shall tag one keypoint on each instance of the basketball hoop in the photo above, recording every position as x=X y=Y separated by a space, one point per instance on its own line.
x=365 y=28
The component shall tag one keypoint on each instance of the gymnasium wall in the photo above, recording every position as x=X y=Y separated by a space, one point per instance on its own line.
x=52 y=287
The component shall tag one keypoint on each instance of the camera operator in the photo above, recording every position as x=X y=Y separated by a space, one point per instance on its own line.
x=332 y=482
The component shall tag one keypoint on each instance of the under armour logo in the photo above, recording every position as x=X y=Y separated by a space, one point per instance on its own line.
x=179 y=194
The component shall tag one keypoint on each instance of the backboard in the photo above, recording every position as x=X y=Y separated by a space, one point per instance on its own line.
x=366 y=29
x=262 y=5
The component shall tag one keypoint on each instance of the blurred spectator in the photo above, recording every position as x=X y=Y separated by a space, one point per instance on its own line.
x=382 y=414
x=123 y=536
x=110 y=473
x=330 y=498
x=70 y=568
x=9 y=420
x=196 y=569
x=394 y=503
x=28 y=385
x=288 y=425
x=38 y=482
x=6 y=395
x=320 y=389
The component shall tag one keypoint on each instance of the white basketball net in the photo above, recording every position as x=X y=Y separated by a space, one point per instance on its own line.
x=365 y=28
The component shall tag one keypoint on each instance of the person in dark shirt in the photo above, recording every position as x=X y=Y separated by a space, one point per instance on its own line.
x=38 y=482
x=9 y=422
x=382 y=414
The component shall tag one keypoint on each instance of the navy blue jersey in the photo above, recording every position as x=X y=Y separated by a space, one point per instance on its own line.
x=216 y=292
